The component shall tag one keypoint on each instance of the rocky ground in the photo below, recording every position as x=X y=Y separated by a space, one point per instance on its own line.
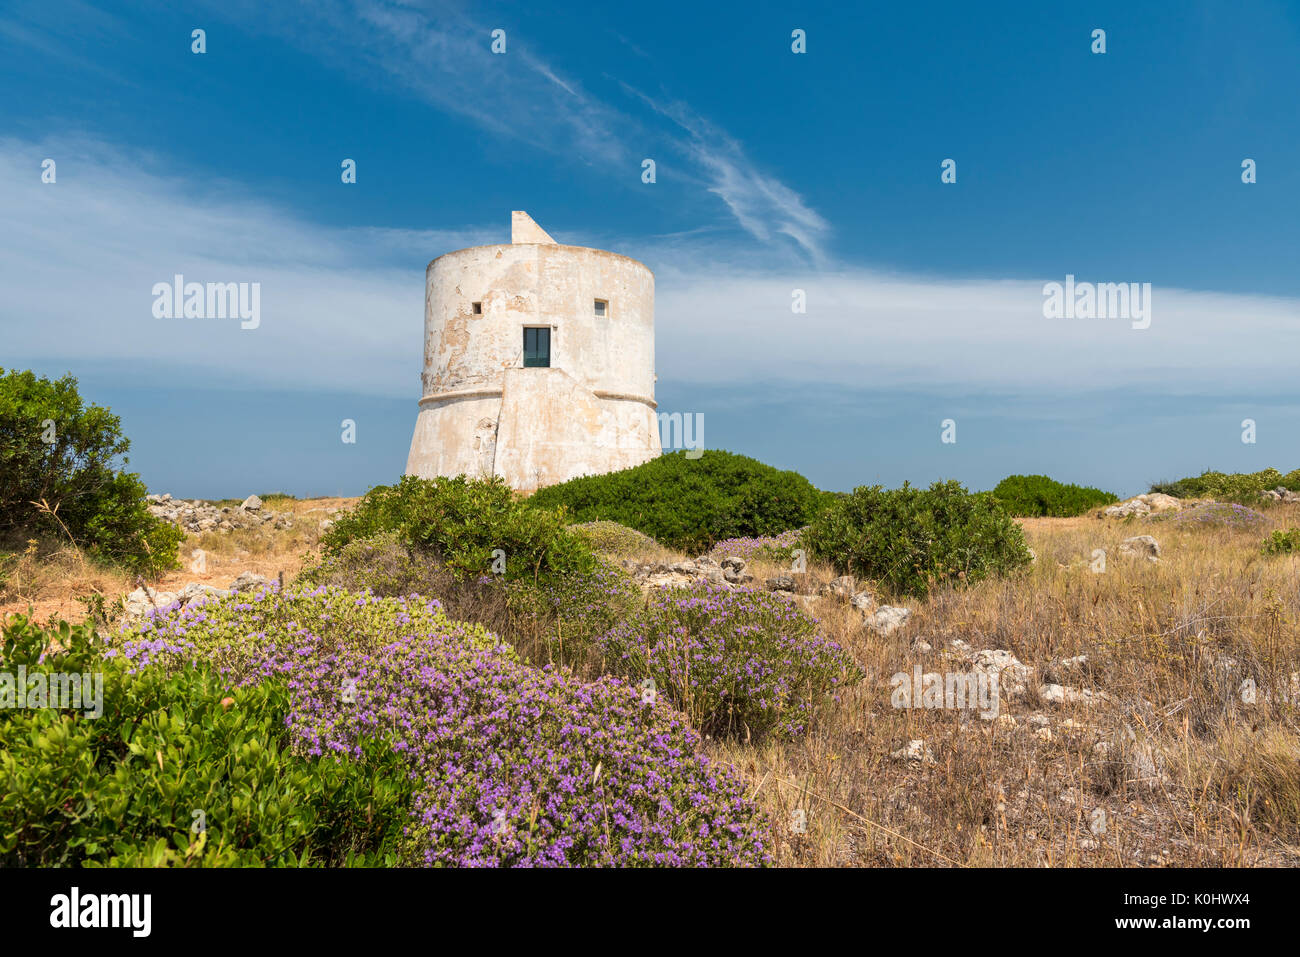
x=200 y=516
x=731 y=572
x=139 y=602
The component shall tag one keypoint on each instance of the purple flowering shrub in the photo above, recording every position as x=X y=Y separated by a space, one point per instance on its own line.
x=736 y=661
x=521 y=766
x=768 y=548
x=1214 y=515
x=514 y=765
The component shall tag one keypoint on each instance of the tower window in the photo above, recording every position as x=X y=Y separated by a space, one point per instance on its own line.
x=602 y=308
x=476 y=308
x=537 y=348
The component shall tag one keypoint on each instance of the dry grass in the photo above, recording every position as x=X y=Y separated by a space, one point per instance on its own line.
x=50 y=579
x=1202 y=779
x=50 y=576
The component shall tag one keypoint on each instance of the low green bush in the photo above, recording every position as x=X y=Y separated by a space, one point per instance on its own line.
x=615 y=540
x=179 y=769
x=59 y=476
x=911 y=539
x=1282 y=542
x=566 y=615
x=1037 y=496
x=690 y=504
x=473 y=527
x=381 y=564
x=1243 y=487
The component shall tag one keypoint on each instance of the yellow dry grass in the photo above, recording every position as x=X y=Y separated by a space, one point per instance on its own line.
x=1190 y=775
x=49 y=580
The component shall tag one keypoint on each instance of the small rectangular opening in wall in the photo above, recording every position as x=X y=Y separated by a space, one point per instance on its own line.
x=476 y=308
x=602 y=308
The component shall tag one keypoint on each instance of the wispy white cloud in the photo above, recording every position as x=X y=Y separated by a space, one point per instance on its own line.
x=442 y=54
x=343 y=308
x=762 y=204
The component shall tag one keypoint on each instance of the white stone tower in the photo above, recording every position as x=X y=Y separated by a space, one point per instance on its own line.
x=538 y=362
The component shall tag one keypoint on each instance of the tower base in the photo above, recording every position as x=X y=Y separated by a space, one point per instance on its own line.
x=539 y=429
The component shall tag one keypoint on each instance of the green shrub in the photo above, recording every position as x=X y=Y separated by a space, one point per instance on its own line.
x=910 y=539
x=1038 y=495
x=55 y=450
x=467 y=525
x=1282 y=542
x=121 y=789
x=1244 y=487
x=689 y=504
x=381 y=564
x=734 y=661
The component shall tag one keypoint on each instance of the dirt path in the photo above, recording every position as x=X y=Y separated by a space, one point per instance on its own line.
x=225 y=555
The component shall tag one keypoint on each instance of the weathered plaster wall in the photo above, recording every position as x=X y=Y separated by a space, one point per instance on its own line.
x=456 y=437
x=552 y=430
x=481 y=411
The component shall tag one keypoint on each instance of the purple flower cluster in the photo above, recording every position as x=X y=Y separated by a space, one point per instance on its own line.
x=530 y=767
x=736 y=661
x=768 y=548
x=1219 y=515
x=518 y=766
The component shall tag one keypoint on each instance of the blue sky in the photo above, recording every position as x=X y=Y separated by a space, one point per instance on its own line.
x=775 y=171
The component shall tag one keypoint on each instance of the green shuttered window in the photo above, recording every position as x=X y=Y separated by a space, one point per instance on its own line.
x=537 y=348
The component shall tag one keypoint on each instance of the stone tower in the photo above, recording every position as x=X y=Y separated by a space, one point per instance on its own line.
x=538 y=362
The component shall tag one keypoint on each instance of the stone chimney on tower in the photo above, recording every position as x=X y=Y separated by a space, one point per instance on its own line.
x=524 y=230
